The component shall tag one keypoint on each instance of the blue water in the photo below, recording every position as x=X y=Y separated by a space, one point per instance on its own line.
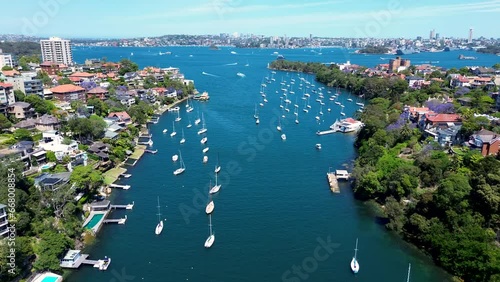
x=274 y=208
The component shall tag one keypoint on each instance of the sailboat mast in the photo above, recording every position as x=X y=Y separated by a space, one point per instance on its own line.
x=409 y=269
x=159 y=209
x=356 y=249
x=210 y=223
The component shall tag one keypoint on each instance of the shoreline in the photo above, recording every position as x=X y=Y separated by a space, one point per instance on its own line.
x=165 y=108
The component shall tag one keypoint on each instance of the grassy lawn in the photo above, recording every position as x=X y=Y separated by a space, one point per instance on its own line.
x=138 y=152
x=111 y=175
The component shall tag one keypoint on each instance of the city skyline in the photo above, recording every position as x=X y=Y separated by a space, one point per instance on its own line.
x=333 y=18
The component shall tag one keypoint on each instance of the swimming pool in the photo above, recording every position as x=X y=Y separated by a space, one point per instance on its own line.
x=94 y=220
x=50 y=279
x=46 y=166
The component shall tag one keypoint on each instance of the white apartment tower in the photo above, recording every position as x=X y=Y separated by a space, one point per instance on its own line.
x=470 y=35
x=57 y=50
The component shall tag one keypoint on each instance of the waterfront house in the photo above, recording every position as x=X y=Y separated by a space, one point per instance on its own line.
x=98 y=92
x=69 y=93
x=482 y=70
x=487 y=141
x=21 y=110
x=101 y=150
x=4 y=223
x=122 y=117
x=52 y=181
x=47 y=122
x=103 y=205
x=72 y=259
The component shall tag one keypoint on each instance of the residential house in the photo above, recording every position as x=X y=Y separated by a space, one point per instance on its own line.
x=439 y=120
x=123 y=117
x=28 y=124
x=6 y=96
x=53 y=141
x=459 y=81
x=101 y=150
x=170 y=93
x=417 y=113
x=25 y=152
x=27 y=83
x=52 y=68
x=21 y=110
x=69 y=93
x=4 y=223
x=487 y=141
x=125 y=99
x=84 y=76
x=445 y=136
x=414 y=81
x=98 y=92
x=47 y=122
x=132 y=78
x=52 y=181
x=482 y=70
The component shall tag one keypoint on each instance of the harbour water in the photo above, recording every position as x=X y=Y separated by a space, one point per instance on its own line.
x=275 y=211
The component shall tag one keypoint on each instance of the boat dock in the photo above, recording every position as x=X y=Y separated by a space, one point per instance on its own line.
x=128 y=207
x=332 y=181
x=124 y=187
x=151 y=151
x=118 y=220
x=90 y=261
x=74 y=259
x=326 y=132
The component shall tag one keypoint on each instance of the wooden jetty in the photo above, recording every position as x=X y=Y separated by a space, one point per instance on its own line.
x=332 y=180
x=326 y=132
x=128 y=207
x=125 y=187
x=118 y=220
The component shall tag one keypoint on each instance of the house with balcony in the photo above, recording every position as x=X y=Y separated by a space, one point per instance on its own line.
x=487 y=141
x=101 y=150
x=98 y=92
x=25 y=152
x=414 y=81
x=21 y=110
x=69 y=93
x=4 y=222
x=53 y=141
x=121 y=117
x=439 y=120
x=125 y=99
x=6 y=96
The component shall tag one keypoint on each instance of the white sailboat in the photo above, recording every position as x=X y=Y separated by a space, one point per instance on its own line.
x=197 y=120
x=203 y=140
x=189 y=107
x=216 y=187
x=257 y=121
x=297 y=116
x=211 y=237
x=354 y=261
x=178 y=118
x=175 y=158
x=189 y=124
x=183 y=140
x=173 y=130
x=205 y=150
x=283 y=137
x=205 y=159
x=159 y=226
x=256 y=114
x=165 y=130
x=217 y=167
x=182 y=168
x=279 y=125
x=203 y=128
x=210 y=206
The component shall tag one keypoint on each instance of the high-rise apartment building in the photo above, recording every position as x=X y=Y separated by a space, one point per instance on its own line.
x=57 y=50
x=5 y=60
x=470 y=35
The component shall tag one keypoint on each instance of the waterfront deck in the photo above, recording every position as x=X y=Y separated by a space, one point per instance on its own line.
x=124 y=187
x=128 y=207
x=151 y=151
x=116 y=220
x=112 y=175
x=332 y=181
x=326 y=132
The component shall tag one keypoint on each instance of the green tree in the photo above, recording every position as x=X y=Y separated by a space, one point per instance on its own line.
x=7 y=68
x=86 y=178
x=23 y=134
x=4 y=122
x=41 y=106
x=19 y=95
x=49 y=250
x=64 y=81
x=127 y=66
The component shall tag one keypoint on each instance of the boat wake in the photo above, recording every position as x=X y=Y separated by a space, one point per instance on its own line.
x=209 y=74
x=232 y=64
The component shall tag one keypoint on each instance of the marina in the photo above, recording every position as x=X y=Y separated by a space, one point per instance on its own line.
x=268 y=184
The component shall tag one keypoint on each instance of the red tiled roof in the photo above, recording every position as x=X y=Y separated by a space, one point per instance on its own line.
x=5 y=85
x=66 y=88
x=10 y=72
x=97 y=90
x=444 y=118
x=82 y=74
x=121 y=115
x=49 y=64
x=74 y=79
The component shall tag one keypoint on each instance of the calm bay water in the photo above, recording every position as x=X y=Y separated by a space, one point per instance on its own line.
x=274 y=208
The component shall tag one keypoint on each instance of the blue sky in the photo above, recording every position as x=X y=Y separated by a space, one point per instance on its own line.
x=331 y=18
